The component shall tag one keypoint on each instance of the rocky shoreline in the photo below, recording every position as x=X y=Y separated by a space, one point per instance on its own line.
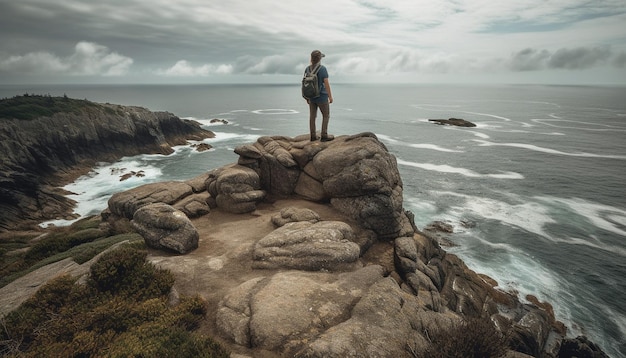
x=41 y=154
x=301 y=248
x=324 y=261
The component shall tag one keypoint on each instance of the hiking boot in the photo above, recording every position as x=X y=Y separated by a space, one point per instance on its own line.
x=327 y=137
x=314 y=138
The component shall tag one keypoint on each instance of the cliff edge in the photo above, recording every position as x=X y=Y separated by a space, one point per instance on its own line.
x=49 y=141
x=304 y=249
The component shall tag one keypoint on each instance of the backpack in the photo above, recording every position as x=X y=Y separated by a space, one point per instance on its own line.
x=310 y=85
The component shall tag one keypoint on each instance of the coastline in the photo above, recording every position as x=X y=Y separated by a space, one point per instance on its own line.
x=474 y=263
x=220 y=259
x=44 y=153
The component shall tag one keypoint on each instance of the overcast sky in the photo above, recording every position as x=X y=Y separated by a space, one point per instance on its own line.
x=208 y=41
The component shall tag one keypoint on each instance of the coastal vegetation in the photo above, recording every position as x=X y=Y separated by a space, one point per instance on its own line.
x=21 y=253
x=31 y=106
x=121 y=310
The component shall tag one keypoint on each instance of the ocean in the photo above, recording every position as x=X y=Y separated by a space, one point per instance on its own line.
x=535 y=192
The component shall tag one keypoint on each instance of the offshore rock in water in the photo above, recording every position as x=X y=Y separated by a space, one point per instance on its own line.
x=440 y=226
x=218 y=120
x=202 y=147
x=453 y=122
x=132 y=173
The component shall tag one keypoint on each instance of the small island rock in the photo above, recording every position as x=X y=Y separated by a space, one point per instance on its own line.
x=453 y=122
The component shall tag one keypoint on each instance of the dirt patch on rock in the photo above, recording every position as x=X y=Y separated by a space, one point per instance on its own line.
x=223 y=259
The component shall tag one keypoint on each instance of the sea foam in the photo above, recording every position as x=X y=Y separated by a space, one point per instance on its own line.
x=428 y=146
x=93 y=190
x=444 y=168
x=587 y=126
x=275 y=111
x=526 y=215
x=484 y=143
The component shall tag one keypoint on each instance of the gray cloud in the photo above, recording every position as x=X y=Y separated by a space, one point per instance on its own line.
x=620 y=60
x=274 y=64
x=529 y=60
x=88 y=59
x=177 y=41
x=579 y=58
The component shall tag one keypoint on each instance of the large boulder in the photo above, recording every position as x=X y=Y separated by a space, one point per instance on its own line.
x=365 y=311
x=308 y=246
x=357 y=174
x=125 y=204
x=165 y=228
x=361 y=177
x=194 y=205
x=236 y=188
x=383 y=323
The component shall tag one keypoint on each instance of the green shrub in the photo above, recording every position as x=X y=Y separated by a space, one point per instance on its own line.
x=89 y=222
x=11 y=254
x=15 y=241
x=85 y=252
x=157 y=340
x=59 y=242
x=125 y=272
x=121 y=311
x=17 y=265
x=35 y=316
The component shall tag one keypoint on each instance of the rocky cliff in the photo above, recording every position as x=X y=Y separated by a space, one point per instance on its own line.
x=304 y=249
x=40 y=152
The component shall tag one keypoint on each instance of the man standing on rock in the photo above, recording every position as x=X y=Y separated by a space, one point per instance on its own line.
x=323 y=101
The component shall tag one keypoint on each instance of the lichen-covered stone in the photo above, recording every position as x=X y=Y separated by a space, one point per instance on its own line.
x=164 y=227
x=308 y=246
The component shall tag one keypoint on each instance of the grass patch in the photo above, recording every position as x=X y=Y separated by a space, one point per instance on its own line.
x=60 y=242
x=80 y=254
x=11 y=242
x=81 y=241
x=86 y=252
x=121 y=311
x=30 y=106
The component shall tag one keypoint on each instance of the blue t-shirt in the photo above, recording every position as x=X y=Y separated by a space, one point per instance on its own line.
x=322 y=73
